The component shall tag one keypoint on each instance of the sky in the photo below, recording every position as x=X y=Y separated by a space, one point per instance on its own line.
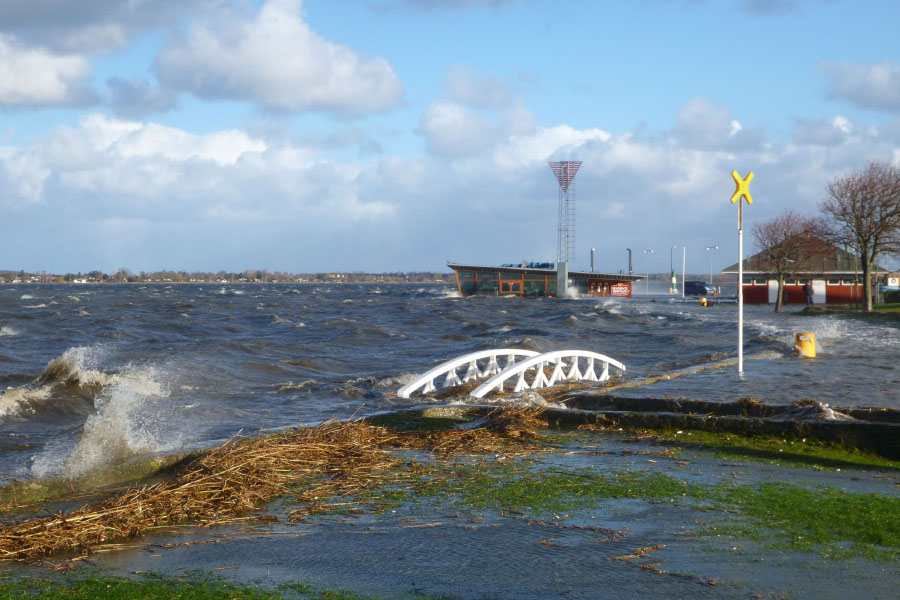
x=398 y=135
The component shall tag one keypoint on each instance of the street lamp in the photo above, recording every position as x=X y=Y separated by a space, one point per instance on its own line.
x=673 y=287
x=647 y=253
x=709 y=249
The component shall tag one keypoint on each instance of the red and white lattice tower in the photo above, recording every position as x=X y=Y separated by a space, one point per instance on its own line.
x=565 y=240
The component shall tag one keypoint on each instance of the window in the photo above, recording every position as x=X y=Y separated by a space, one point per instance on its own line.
x=487 y=286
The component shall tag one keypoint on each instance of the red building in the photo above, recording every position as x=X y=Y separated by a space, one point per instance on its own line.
x=835 y=276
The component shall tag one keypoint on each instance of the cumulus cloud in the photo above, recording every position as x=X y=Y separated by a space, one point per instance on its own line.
x=451 y=130
x=276 y=60
x=822 y=132
x=38 y=77
x=234 y=198
x=133 y=170
x=702 y=126
x=88 y=27
x=875 y=85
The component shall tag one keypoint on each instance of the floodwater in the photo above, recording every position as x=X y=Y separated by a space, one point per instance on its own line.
x=91 y=375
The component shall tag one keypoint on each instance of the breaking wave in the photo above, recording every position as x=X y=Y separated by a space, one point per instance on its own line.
x=130 y=419
x=67 y=383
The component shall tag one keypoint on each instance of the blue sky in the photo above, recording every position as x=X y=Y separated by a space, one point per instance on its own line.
x=381 y=135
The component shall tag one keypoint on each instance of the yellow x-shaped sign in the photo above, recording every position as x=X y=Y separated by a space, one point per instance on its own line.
x=741 y=187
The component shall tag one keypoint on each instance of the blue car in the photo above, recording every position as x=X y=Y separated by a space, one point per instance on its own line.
x=699 y=288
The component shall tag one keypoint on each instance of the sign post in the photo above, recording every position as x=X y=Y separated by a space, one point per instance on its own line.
x=741 y=191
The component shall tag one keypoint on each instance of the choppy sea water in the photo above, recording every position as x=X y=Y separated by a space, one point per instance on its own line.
x=91 y=375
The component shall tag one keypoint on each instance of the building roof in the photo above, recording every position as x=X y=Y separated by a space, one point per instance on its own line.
x=833 y=261
x=533 y=271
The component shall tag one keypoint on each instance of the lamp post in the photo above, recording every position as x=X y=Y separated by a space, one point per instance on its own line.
x=673 y=287
x=647 y=253
x=710 y=249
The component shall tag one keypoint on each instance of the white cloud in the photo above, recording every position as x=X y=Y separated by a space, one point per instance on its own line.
x=37 y=77
x=875 y=86
x=92 y=26
x=823 y=132
x=277 y=61
x=230 y=199
x=702 y=126
x=454 y=131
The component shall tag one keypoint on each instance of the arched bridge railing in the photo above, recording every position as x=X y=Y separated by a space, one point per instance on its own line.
x=473 y=371
x=562 y=371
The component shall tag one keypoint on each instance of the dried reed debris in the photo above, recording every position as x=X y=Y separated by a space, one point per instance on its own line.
x=333 y=459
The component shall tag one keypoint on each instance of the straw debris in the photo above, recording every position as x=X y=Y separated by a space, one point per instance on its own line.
x=314 y=464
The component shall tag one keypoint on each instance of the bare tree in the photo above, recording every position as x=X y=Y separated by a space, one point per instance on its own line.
x=862 y=212
x=788 y=245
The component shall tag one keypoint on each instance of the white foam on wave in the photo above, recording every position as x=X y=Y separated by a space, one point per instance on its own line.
x=41 y=305
x=396 y=380
x=132 y=418
x=14 y=399
x=8 y=331
x=26 y=297
x=76 y=367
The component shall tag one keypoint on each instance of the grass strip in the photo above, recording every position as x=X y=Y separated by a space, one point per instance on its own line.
x=787 y=452
x=100 y=587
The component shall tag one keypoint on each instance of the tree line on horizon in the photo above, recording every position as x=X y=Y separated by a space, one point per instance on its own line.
x=124 y=275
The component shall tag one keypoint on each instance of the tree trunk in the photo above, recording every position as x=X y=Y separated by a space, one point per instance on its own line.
x=867 y=282
x=780 y=293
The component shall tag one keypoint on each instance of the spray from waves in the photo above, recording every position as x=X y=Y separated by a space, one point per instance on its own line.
x=132 y=418
x=67 y=383
x=8 y=331
x=26 y=297
x=442 y=294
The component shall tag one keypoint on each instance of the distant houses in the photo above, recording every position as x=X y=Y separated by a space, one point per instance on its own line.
x=834 y=273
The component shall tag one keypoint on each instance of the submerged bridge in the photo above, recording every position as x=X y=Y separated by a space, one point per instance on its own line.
x=528 y=372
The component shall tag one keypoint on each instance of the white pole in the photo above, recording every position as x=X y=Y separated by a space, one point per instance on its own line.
x=683 y=262
x=740 y=287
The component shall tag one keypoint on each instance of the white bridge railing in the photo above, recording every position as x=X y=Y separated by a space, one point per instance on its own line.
x=565 y=367
x=561 y=371
x=448 y=370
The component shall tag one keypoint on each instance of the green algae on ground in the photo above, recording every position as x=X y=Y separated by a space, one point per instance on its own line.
x=832 y=522
x=403 y=421
x=100 y=587
x=791 y=452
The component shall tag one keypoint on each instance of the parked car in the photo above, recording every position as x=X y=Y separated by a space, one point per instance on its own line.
x=699 y=288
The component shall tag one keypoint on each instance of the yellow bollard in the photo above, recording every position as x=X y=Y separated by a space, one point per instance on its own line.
x=805 y=344
x=703 y=301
